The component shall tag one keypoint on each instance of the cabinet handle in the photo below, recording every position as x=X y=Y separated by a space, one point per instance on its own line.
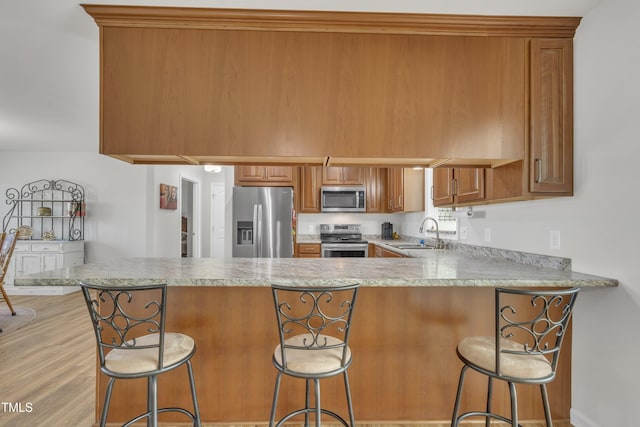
x=400 y=200
x=432 y=192
x=454 y=187
x=538 y=171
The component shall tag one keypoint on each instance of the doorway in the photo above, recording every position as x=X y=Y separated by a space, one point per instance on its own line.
x=189 y=224
x=217 y=219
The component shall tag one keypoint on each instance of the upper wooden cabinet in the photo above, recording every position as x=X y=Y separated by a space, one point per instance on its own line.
x=343 y=175
x=308 y=191
x=183 y=85
x=457 y=186
x=405 y=190
x=551 y=127
x=376 y=186
x=264 y=175
x=547 y=170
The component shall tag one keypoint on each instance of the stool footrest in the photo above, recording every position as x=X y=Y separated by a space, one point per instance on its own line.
x=484 y=414
x=312 y=411
x=160 y=411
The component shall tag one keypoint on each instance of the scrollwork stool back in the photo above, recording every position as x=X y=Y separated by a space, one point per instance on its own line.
x=530 y=327
x=129 y=324
x=314 y=326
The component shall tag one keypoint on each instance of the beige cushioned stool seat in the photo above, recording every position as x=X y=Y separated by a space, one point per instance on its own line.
x=315 y=361
x=481 y=351
x=176 y=348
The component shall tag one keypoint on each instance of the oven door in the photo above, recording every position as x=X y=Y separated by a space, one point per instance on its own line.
x=344 y=250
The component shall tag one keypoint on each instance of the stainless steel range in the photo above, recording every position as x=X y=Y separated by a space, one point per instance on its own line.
x=342 y=240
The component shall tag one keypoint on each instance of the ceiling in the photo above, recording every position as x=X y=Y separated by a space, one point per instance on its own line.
x=49 y=58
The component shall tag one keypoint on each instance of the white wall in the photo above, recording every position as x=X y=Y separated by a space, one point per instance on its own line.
x=123 y=215
x=597 y=225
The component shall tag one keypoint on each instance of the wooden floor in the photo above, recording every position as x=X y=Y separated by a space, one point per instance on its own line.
x=47 y=369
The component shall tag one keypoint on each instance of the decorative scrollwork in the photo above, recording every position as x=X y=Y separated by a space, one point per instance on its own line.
x=121 y=321
x=317 y=317
x=541 y=328
x=65 y=221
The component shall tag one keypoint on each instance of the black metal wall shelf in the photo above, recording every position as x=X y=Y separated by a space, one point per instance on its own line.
x=66 y=210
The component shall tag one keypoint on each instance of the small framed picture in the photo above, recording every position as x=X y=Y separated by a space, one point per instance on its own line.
x=168 y=196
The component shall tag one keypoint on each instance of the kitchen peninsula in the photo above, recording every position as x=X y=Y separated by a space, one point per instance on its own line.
x=410 y=315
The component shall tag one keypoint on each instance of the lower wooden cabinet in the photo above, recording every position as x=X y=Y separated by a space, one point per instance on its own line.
x=380 y=252
x=308 y=250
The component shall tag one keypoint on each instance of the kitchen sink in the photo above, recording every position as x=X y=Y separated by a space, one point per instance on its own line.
x=406 y=245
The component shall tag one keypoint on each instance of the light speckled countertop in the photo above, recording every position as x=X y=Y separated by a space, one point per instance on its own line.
x=432 y=268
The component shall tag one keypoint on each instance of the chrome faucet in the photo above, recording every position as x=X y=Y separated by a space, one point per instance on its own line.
x=422 y=230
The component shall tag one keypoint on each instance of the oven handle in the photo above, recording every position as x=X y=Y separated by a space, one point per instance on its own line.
x=344 y=246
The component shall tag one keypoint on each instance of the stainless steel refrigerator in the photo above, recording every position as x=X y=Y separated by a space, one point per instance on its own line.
x=262 y=222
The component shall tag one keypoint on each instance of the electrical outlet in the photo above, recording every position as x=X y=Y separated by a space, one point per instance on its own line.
x=487 y=234
x=463 y=233
x=554 y=239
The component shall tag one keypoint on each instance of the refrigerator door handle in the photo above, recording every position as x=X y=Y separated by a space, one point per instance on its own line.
x=257 y=232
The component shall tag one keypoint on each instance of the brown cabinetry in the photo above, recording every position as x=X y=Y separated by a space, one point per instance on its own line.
x=264 y=175
x=342 y=175
x=457 y=186
x=308 y=190
x=547 y=169
x=308 y=250
x=380 y=252
x=551 y=126
x=405 y=190
x=376 y=187
x=184 y=86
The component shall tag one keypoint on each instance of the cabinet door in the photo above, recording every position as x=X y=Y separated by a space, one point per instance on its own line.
x=551 y=142
x=332 y=175
x=264 y=175
x=442 y=192
x=376 y=184
x=468 y=184
x=28 y=264
x=249 y=173
x=309 y=189
x=339 y=175
x=279 y=173
x=395 y=190
x=352 y=175
x=50 y=262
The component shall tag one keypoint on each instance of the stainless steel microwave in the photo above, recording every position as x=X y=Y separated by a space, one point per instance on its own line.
x=343 y=199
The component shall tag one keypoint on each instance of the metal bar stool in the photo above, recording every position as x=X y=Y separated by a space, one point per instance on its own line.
x=524 y=350
x=314 y=325
x=129 y=323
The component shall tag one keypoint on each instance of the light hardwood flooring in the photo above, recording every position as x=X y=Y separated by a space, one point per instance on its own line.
x=47 y=369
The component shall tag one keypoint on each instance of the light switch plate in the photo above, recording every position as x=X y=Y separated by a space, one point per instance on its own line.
x=554 y=240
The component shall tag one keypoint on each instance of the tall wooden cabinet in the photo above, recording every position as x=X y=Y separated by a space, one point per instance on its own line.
x=551 y=123
x=307 y=192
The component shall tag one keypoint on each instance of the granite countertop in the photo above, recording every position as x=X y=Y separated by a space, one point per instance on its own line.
x=432 y=268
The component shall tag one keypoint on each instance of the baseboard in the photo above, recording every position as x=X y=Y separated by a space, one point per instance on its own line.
x=578 y=419
x=40 y=290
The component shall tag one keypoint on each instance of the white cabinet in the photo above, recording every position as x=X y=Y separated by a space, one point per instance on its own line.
x=37 y=256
